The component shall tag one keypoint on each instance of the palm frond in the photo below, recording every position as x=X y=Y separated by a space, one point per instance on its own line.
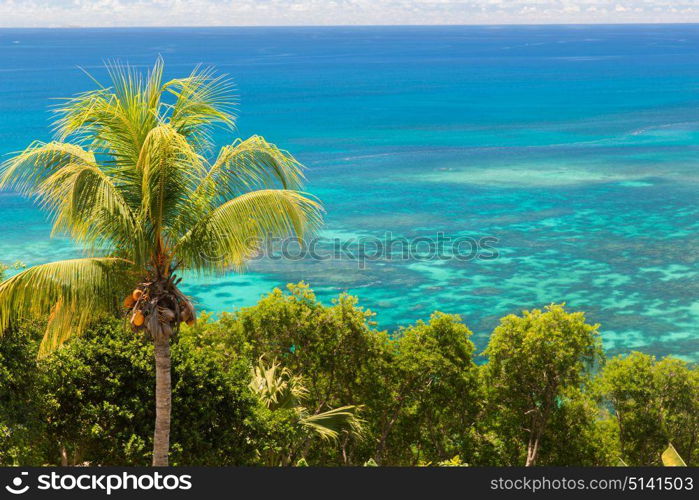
x=154 y=84
x=252 y=164
x=329 y=424
x=71 y=291
x=26 y=171
x=230 y=234
x=240 y=168
x=276 y=386
x=170 y=171
x=87 y=204
x=203 y=99
x=114 y=120
x=76 y=116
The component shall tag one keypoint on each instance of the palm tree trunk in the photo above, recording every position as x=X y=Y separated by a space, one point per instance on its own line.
x=163 y=403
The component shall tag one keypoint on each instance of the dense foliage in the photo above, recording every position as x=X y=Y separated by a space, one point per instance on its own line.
x=91 y=401
x=291 y=381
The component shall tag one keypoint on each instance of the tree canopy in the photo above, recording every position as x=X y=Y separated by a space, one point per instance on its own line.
x=293 y=381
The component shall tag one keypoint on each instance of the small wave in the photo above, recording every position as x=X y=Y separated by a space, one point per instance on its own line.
x=643 y=130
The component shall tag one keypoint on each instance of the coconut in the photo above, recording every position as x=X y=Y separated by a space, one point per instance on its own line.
x=137 y=294
x=137 y=319
x=129 y=302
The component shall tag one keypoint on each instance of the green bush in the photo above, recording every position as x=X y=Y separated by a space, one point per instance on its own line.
x=23 y=429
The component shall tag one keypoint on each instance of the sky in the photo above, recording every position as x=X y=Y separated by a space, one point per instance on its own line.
x=105 y=13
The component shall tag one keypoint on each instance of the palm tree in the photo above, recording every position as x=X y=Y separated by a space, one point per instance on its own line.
x=278 y=389
x=131 y=177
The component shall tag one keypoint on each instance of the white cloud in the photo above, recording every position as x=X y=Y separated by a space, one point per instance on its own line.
x=321 y=12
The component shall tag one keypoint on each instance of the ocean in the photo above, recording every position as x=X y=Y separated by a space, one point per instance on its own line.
x=568 y=152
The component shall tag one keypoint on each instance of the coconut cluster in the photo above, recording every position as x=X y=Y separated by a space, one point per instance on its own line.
x=158 y=312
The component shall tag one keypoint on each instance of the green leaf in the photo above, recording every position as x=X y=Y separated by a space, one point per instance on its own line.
x=671 y=458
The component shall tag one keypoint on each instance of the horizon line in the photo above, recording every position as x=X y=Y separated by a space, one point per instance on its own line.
x=85 y=26
x=415 y=25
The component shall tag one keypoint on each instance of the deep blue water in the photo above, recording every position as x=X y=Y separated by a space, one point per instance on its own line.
x=575 y=147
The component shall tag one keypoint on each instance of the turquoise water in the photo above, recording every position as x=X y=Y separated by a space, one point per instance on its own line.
x=575 y=147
